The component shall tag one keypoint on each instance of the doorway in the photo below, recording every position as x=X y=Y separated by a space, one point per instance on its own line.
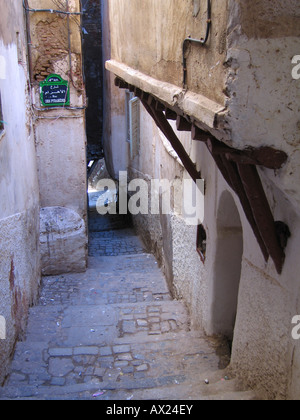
x=227 y=267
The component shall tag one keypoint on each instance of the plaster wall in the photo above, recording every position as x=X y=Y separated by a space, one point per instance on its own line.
x=116 y=149
x=19 y=189
x=162 y=27
x=252 y=77
x=264 y=354
x=60 y=133
x=61 y=160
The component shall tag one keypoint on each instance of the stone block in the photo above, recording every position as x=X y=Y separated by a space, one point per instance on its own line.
x=63 y=241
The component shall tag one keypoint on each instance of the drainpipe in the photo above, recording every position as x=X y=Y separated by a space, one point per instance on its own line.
x=201 y=41
x=26 y=7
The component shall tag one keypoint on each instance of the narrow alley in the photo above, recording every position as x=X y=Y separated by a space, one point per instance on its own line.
x=114 y=333
x=149 y=200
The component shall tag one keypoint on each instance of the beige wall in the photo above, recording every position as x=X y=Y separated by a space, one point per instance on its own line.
x=60 y=134
x=19 y=190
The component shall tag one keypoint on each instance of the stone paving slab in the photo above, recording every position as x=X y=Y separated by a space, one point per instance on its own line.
x=116 y=333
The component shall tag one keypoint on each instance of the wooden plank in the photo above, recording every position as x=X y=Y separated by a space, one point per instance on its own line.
x=170 y=115
x=238 y=187
x=231 y=175
x=267 y=156
x=262 y=213
x=121 y=83
x=264 y=156
x=216 y=147
x=240 y=158
x=134 y=118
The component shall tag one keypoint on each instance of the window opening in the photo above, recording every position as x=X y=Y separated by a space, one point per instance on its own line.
x=201 y=242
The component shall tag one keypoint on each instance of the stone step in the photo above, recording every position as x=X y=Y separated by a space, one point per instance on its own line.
x=114 y=332
x=173 y=368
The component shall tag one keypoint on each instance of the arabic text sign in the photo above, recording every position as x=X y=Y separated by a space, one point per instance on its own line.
x=54 y=91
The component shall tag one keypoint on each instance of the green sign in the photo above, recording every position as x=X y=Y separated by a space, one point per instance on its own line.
x=55 y=91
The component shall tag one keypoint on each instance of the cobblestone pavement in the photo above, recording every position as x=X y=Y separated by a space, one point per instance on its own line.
x=114 y=333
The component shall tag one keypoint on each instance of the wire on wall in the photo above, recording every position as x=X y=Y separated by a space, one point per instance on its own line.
x=201 y=41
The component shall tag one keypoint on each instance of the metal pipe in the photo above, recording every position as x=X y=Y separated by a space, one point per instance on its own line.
x=61 y=12
x=201 y=41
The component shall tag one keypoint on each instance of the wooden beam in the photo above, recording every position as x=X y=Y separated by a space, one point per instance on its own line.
x=165 y=127
x=182 y=124
x=240 y=158
x=239 y=189
x=121 y=83
x=159 y=106
x=137 y=92
x=262 y=213
x=238 y=168
x=231 y=175
x=216 y=147
x=200 y=135
x=265 y=156
x=170 y=115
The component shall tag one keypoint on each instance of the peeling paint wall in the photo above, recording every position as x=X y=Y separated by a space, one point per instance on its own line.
x=19 y=190
x=167 y=24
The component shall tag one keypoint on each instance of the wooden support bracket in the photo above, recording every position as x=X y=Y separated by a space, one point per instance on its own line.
x=238 y=167
x=170 y=115
x=167 y=130
x=182 y=124
x=200 y=135
x=231 y=175
x=262 y=213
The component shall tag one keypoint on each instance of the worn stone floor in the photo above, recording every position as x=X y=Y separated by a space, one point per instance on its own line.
x=115 y=333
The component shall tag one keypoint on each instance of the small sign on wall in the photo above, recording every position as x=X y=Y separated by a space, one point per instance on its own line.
x=54 y=91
